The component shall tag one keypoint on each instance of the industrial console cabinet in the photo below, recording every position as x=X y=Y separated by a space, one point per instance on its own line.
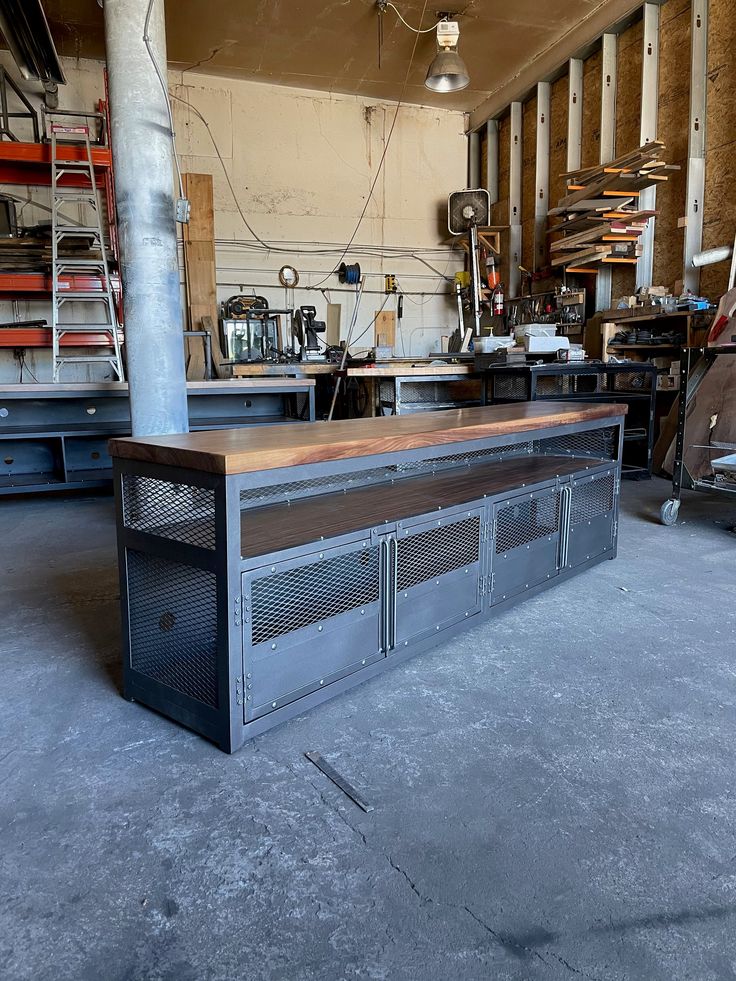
x=263 y=572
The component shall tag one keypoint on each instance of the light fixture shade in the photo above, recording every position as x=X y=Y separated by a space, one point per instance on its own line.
x=447 y=73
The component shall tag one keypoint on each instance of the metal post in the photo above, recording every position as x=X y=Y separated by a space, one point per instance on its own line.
x=474 y=160
x=696 y=148
x=608 y=97
x=142 y=154
x=649 y=114
x=575 y=114
x=541 y=200
x=492 y=159
x=608 y=148
x=516 y=163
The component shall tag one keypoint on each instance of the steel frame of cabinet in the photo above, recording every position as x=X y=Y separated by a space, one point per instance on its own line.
x=232 y=646
x=402 y=395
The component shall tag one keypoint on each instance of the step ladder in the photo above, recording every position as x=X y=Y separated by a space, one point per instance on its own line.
x=66 y=264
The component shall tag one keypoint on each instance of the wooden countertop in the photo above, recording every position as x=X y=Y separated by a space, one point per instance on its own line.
x=300 y=369
x=229 y=451
x=393 y=370
x=221 y=386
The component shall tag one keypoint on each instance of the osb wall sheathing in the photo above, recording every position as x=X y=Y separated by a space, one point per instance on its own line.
x=719 y=219
x=674 y=95
x=592 y=110
x=558 y=139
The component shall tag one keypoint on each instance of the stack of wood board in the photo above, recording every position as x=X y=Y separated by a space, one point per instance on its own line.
x=599 y=220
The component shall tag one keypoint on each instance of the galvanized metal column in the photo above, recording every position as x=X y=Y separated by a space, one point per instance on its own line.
x=575 y=114
x=474 y=160
x=515 y=199
x=608 y=148
x=492 y=159
x=142 y=155
x=609 y=70
x=649 y=116
x=696 y=148
x=541 y=201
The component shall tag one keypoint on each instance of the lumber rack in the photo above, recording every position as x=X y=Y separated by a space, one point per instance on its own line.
x=695 y=362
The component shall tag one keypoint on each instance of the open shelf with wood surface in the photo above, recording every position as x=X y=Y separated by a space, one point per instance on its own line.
x=264 y=572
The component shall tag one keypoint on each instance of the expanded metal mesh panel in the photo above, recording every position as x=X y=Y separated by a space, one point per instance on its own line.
x=511 y=387
x=523 y=522
x=626 y=381
x=592 y=499
x=434 y=552
x=286 y=601
x=181 y=512
x=439 y=392
x=173 y=625
x=387 y=391
x=551 y=385
x=294 y=490
x=599 y=443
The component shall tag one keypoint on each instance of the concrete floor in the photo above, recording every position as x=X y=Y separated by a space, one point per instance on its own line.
x=554 y=792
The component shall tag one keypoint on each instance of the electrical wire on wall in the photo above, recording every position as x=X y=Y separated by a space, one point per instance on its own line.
x=165 y=90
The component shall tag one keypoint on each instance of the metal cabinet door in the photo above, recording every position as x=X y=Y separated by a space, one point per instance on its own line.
x=308 y=621
x=592 y=517
x=437 y=575
x=525 y=543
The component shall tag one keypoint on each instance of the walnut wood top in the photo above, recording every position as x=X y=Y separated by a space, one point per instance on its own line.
x=230 y=451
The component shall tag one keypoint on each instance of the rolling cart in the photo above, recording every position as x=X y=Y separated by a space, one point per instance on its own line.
x=695 y=362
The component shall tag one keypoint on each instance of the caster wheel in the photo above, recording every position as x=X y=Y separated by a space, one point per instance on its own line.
x=669 y=511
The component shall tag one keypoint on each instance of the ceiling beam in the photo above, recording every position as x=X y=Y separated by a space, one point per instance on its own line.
x=611 y=16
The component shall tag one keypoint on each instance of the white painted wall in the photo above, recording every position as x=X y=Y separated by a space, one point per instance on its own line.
x=301 y=165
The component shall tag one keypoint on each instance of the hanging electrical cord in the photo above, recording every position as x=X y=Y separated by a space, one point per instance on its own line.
x=358 y=297
x=416 y=30
x=387 y=144
x=165 y=90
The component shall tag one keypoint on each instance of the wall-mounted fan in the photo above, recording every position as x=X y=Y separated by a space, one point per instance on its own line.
x=468 y=208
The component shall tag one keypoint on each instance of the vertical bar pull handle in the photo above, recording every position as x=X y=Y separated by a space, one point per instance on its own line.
x=565 y=511
x=394 y=589
x=384 y=596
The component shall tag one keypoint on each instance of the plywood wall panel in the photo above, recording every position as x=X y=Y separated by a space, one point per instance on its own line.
x=628 y=89
x=592 y=110
x=674 y=95
x=558 y=139
x=719 y=220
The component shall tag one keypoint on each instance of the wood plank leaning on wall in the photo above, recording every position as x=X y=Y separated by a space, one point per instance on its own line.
x=201 y=278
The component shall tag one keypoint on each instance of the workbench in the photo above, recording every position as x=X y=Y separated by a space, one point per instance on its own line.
x=54 y=437
x=262 y=572
x=400 y=388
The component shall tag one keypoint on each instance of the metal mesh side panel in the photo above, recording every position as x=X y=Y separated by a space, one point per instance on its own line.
x=181 y=512
x=526 y=521
x=294 y=490
x=173 y=625
x=592 y=499
x=512 y=387
x=433 y=553
x=387 y=391
x=286 y=601
x=626 y=381
x=599 y=443
x=439 y=392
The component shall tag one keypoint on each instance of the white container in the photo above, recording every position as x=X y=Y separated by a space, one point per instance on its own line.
x=536 y=344
x=534 y=330
x=489 y=344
